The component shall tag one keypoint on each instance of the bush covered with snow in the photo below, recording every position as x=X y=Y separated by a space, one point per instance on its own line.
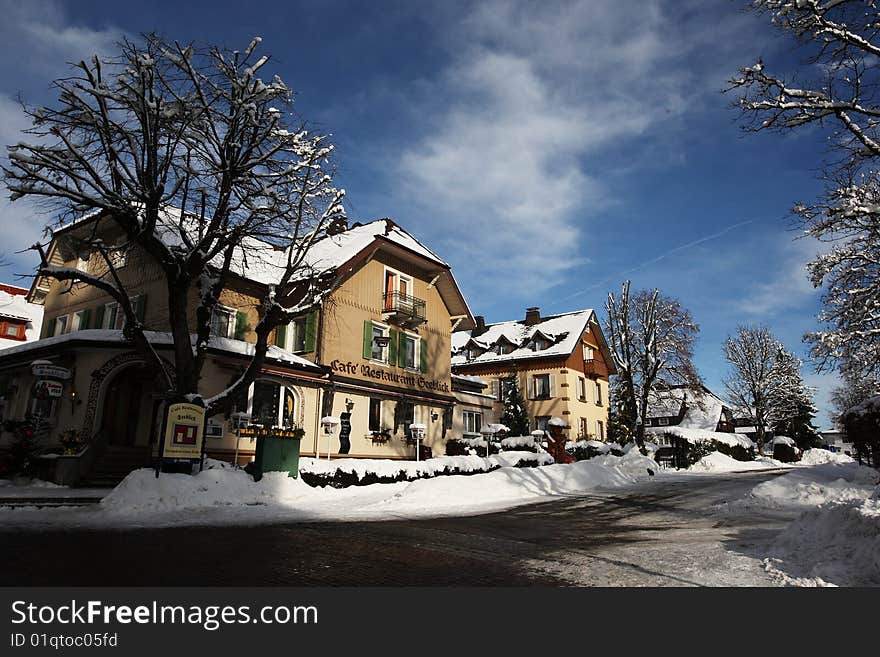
x=470 y=447
x=342 y=473
x=582 y=450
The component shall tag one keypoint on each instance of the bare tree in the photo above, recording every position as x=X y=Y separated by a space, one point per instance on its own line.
x=199 y=162
x=764 y=383
x=842 y=45
x=651 y=338
x=852 y=392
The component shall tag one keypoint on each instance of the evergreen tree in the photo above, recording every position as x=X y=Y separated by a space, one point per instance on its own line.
x=514 y=416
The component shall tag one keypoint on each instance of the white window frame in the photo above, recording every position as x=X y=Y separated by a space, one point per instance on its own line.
x=282 y=389
x=417 y=346
x=76 y=319
x=589 y=353
x=119 y=317
x=549 y=380
x=472 y=421
x=598 y=393
x=385 y=332
x=65 y=327
x=582 y=389
x=118 y=257
x=290 y=335
x=230 y=329
x=82 y=264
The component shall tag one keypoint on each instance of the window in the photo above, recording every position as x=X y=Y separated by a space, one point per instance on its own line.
x=505 y=347
x=223 y=322
x=472 y=353
x=113 y=317
x=379 y=353
x=663 y=422
x=61 y=325
x=82 y=262
x=272 y=405
x=496 y=389
x=582 y=389
x=539 y=344
x=118 y=257
x=542 y=386
x=395 y=282
x=410 y=347
x=541 y=422
x=375 y=414
x=80 y=320
x=588 y=352
x=13 y=331
x=600 y=433
x=296 y=335
x=598 y=394
x=473 y=422
x=583 y=428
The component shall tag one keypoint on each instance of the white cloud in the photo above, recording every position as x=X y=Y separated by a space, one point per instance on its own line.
x=511 y=159
x=785 y=285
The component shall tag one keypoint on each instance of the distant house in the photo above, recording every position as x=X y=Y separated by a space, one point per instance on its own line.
x=837 y=441
x=690 y=408
x=560 y=362
x=20 y=320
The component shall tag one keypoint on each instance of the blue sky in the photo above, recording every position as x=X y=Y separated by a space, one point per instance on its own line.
x=548 y=151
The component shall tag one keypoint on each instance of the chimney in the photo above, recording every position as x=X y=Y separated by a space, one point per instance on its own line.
x=533 y=316
x=480 y=328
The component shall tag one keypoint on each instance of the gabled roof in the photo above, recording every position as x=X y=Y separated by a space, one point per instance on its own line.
x=564 y=331
x=703 y=407
x=264 y=263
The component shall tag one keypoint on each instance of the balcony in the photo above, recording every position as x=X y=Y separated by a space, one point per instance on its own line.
x=403 y=309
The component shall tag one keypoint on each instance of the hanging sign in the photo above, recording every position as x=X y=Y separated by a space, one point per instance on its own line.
x=52 y=371
x=184 y=432
x=45 y=389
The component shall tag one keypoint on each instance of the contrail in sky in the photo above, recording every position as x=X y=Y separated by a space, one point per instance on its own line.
x=660 y=257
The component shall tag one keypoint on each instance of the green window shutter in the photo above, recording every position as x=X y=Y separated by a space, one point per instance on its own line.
x=401 y=349
x=281 y=335
x=99 y=317
x=423 y=354
x=312 y=330
x=241 y=320
x=392 y=347
x=368 y=339
x=84 y=321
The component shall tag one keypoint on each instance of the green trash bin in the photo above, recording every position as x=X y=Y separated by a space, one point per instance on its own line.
x=276 y=454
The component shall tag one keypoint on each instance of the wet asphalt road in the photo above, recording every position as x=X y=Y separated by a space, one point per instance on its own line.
x=667 y=532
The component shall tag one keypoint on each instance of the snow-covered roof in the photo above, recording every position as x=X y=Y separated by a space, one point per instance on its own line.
x=226 y=345
x=703 y=408
x=562 y=331
x=17 y=307
x=700 y=435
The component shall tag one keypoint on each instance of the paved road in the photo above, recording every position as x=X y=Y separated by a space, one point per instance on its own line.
x=667 y=532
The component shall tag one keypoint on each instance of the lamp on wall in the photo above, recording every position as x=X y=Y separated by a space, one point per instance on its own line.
x=349 y=404
x=434 y=415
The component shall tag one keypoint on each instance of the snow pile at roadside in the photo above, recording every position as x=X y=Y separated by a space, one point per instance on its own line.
x=718 y=462
x=233 y=496
x=837 y=544
x=812 y=486
x=820 y=456
x=420 y=469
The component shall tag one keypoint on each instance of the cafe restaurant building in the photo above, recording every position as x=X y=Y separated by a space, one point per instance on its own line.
x=374 y=352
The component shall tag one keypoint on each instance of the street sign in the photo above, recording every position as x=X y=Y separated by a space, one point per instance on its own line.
x=52 y=371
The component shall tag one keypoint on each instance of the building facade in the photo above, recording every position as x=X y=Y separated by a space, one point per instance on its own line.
x=373 y=352
x=561 y=364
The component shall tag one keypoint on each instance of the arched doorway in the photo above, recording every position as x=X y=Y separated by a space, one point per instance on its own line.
x=129 y=412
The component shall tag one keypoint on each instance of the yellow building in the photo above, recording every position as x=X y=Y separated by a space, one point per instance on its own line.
x=374 y=352
x=560 y=362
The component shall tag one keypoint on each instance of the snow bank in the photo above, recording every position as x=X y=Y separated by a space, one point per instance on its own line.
x=225 y=495
x=820 y=456
x=816 y=485
x=718 y=462
x=701 y=435
x=835 y=544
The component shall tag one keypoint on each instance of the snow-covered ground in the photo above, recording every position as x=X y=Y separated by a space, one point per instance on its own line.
x=836 y=539
x=225 y=495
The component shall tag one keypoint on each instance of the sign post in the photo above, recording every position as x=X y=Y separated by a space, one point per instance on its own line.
x=183 y=434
